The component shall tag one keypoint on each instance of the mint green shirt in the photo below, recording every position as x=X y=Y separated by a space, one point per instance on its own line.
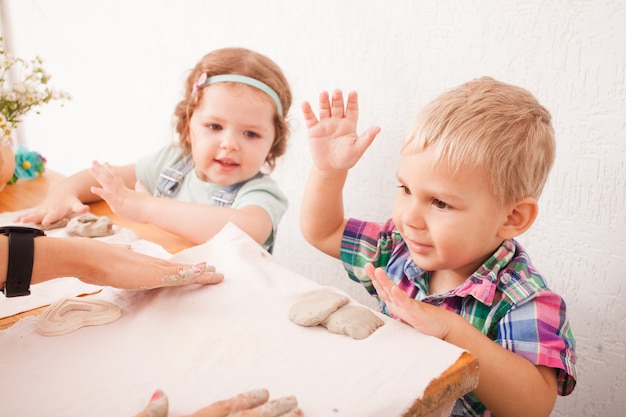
x=263 y=192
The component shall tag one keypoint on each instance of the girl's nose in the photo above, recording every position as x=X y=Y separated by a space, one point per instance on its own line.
x=229 y=142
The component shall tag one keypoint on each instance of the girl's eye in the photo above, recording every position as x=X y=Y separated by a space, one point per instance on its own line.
x=404 y=189
x=250 y=134
x=214 y=126
x=440 y=204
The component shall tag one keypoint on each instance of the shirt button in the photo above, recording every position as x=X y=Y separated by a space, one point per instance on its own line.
x=505 y=279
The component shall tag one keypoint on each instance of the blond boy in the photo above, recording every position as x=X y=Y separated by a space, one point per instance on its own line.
x=471 y=169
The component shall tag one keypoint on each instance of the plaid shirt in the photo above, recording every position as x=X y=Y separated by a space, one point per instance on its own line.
x=506 y=299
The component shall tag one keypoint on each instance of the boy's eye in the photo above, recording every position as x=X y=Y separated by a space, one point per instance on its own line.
x=404 y=189
x=440 y=204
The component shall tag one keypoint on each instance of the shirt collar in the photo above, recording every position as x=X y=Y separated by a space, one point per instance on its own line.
x=481 y=284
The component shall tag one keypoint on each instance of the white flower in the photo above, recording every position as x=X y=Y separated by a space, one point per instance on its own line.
x=28 y=91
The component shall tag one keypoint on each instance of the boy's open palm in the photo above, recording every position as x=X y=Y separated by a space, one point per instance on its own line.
x=427 y=319
x=334 y=142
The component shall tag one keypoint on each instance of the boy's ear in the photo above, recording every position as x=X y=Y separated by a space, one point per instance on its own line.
x=519 y=219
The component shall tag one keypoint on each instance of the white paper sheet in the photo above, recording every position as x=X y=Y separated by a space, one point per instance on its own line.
x=204 y=343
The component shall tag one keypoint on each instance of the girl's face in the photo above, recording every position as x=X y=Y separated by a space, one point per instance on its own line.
x=450 y=223
x=231 y=132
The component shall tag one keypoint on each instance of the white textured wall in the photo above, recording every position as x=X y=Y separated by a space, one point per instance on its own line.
x=124 y=61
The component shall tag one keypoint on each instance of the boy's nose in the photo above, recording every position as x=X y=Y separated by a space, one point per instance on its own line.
x=413 y=217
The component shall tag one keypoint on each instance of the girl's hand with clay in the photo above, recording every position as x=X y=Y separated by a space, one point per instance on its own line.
x=249 y=404
x=73 y=194
x=333 y=140
x=55 y=207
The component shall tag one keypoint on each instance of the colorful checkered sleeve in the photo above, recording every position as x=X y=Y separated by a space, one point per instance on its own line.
x=540 y=332
x=365 y=242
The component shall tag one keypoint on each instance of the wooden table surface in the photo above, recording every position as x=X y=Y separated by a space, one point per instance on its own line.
x=456 y=381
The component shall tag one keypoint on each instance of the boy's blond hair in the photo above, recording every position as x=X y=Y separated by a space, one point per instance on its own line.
x=491 y=127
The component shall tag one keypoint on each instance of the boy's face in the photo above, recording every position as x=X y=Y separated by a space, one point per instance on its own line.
x=231 y=132
x=449 y=222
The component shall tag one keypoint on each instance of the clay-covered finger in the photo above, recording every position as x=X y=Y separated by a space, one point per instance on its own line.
x=279 y=408
x=200 y=273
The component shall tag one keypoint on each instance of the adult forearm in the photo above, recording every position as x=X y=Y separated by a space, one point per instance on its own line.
x=65 y=257
x=53 y=258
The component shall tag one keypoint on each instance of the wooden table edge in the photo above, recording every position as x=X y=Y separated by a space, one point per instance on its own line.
x=456 y=381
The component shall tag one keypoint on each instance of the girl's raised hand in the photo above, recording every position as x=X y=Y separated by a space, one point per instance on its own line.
x=124 y=201
x=333 y=140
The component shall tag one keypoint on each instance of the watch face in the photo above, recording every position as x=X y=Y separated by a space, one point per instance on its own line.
x=6 y=230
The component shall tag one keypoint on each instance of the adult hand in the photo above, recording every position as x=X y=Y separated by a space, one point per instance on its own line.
x=334 y=142
x=250 y=404
x=124 y=268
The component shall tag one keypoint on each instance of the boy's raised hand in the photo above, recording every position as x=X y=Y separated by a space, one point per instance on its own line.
x=333 y=140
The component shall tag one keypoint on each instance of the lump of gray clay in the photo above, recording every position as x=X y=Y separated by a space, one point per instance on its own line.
x=354 y=321
x=314 y=308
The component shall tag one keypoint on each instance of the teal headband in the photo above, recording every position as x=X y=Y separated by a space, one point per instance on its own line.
x=203 y=81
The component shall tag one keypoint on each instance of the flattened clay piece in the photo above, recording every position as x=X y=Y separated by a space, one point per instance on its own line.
x=56 y=225
x=314 y=308
x=354 y=321
x=90 y=225
x=70 y=314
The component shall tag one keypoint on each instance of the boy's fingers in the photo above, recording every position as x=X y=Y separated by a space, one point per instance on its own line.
x=352 y=107
x=309 y=117
x=324 y=105
x=336 y=108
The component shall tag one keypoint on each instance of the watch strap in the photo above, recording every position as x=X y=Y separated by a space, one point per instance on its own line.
x=21 y=257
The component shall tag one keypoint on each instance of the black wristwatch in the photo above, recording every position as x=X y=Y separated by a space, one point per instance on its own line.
x=21 y=257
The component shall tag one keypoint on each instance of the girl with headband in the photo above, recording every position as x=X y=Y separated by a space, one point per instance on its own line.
x=231 y=129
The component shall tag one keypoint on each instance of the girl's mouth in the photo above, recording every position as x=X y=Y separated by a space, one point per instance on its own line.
x=226 y=163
